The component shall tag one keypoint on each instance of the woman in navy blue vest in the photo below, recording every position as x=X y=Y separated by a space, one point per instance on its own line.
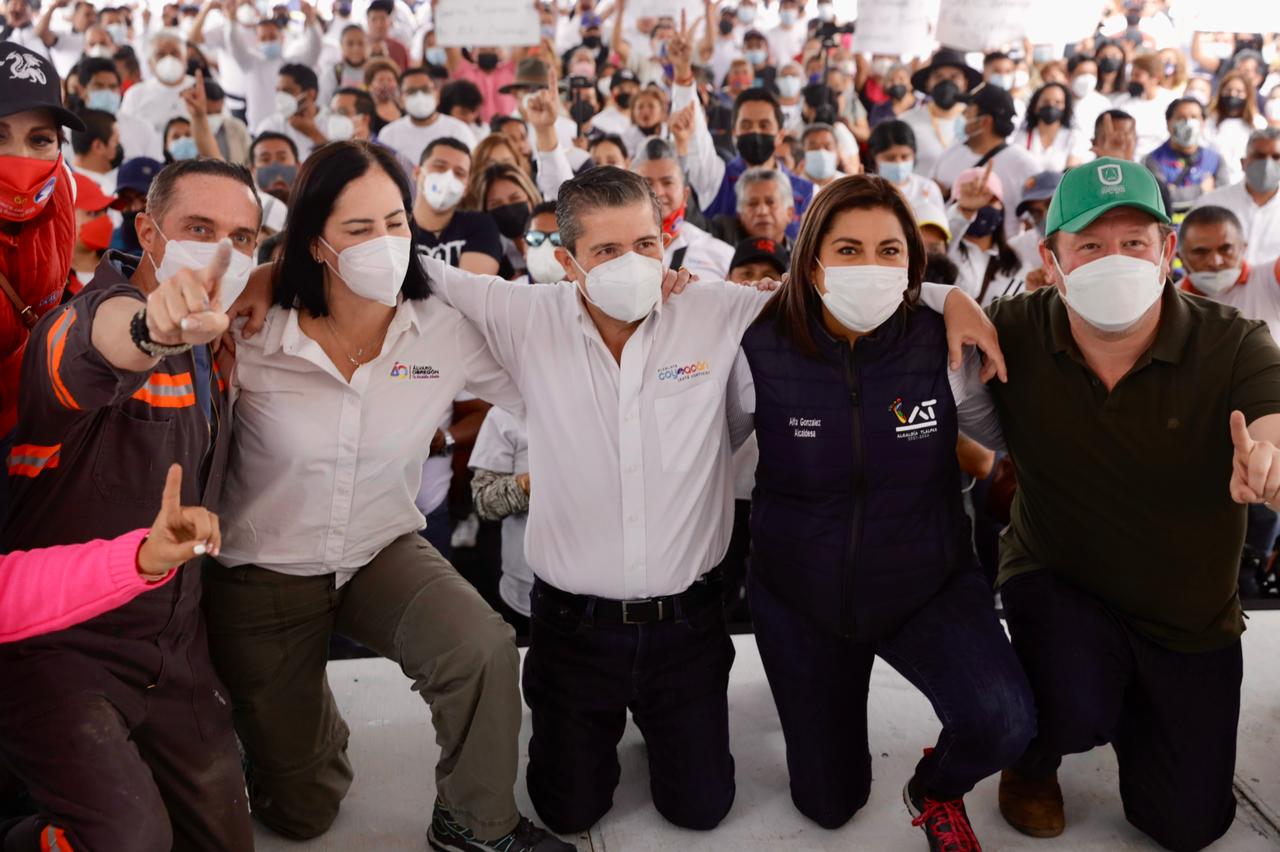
x=860 y=544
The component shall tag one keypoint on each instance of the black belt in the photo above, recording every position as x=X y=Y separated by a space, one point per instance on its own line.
x=706 y=590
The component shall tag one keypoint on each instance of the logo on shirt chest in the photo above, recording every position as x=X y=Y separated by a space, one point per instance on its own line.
x=920 y=423
x=413 y=371
x=678 y=373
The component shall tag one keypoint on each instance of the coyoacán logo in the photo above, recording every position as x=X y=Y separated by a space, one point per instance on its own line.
x=682 y=374
x=405 y=371
x=1112 y=179
x=921 y=423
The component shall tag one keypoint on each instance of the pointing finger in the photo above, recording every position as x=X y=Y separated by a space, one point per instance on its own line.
x=171 y=499
x=1240 y=437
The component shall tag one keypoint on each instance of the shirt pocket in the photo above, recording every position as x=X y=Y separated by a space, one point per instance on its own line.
x=133 y=459
x=683 y=429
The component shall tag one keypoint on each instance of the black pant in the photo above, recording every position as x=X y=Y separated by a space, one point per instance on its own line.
x=580 y=678
x=953 y=650
x=1171 y=717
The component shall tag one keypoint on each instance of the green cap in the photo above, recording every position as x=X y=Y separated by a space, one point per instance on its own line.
x=1088 y=191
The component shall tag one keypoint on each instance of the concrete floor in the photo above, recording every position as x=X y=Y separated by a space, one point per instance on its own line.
x=393 y=750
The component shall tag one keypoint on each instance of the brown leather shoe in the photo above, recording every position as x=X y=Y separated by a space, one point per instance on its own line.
x=1032 y=805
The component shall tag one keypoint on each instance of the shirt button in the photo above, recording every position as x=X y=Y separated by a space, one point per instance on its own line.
x=632 y=519
x=631 y=468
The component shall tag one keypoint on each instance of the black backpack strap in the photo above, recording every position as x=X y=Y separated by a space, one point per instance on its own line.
x=990 y=154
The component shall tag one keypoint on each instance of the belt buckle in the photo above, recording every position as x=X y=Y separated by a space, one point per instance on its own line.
x=626 y=615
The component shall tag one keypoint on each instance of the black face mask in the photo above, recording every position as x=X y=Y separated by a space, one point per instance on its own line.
x=1108 y=65
x=986 y=222
x=487 y=61
x=118 y=158
x=581 y=111
x=623 y=100
x=756 y=148
x=592 y=42
x=726 y=27
x=1231 y=105
x=651 y=130
x=1049 y=114
x=1137 y=90
x=946 y=94
x=511 y=219
x=897 y=91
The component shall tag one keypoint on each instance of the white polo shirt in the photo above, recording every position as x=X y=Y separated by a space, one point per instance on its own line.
x=1261 y=224
x=631 y=461
x=323 y=474
x=1257 y=297
x=704 y=256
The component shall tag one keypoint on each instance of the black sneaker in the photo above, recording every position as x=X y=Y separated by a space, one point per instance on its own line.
x=946 y=824
x=447 y=835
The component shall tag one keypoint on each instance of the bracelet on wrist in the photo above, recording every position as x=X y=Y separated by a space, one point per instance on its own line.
x=141 y=336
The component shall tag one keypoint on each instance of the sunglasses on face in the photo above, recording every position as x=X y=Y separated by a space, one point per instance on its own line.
x=533 y=239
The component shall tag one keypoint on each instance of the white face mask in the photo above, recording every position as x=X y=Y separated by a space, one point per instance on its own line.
x=543 y=266
x=374 y=269
x=1215 y=283
x=170 y=70
x=215 y=121
x=1004 y=81
x=863 y=297
x=1083 y=85
x=420 y=105
x=626 y=288
x=100 y=51
x=442 y=190
x=820 y=164
x=789 y=87
x=191 y=254
x=338 y=127
x=286 y=105
x=1113 y=292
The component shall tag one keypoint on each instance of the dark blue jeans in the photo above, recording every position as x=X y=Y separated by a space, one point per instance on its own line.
x=1171 y=717
x=439 y=530
x=953 y=650
x=581 y=677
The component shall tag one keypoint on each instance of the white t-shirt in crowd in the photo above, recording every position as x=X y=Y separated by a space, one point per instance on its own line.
x=66 y=51
x=933 y=136
x=155 y=103
x=1086 y=111
x=1069 y=143
x=1231 y=139
x=1261 y=224
x=503 y=447
x=1152 y=128
x=921 y=190
x=410 y=139
x=276 y=123
x=612 y=120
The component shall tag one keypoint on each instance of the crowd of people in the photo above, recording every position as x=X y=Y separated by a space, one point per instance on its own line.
x=321 y=337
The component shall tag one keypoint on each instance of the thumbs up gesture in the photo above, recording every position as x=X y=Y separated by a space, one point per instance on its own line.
x=1255 y=466
x=179 y=532
x=187 y=308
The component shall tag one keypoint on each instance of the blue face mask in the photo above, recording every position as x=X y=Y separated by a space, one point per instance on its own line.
x=896 y=173
x=436 y=56
x=272 y=49
x=757 y=56
x=106 y=100
x=183 y=149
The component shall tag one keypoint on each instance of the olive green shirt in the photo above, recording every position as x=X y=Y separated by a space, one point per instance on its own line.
x=1124 y=494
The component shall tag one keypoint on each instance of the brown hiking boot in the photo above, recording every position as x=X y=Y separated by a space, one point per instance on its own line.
x=1032 y=805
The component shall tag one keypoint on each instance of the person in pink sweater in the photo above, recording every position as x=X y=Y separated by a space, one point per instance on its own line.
x=56 y=587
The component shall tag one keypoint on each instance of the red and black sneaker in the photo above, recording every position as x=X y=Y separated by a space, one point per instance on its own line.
x=946 y=824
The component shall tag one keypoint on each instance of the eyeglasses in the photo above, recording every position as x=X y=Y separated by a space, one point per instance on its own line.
x=533 y=239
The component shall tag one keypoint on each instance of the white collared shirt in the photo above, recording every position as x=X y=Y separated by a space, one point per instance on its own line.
x=705 y=256
x=323 y=474
x=1261 y=224
x=633 y=484
x=1258 y=298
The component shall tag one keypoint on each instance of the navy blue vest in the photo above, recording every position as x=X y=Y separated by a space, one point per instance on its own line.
x=856 y=518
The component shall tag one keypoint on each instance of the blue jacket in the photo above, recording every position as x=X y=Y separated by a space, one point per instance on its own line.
x=726 y=200
x=856 y=518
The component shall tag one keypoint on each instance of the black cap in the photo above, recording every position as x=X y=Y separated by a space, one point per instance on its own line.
x=755 y=249
x=991 y=100
x=622 y=75
x=32 y=83
x=946 y=57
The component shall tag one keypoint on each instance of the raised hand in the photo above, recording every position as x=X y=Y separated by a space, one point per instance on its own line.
x=187 y=307
x=974 y=194
x=179 y=533
x=1255 y=466
x=680 y=123
x=680 y=51
x=194 y=96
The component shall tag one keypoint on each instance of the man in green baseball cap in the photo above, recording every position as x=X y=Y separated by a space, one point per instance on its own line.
x=1139 y=419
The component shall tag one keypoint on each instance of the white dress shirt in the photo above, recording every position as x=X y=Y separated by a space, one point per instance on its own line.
x=155 y=103
x=323 y=474
x=503 y=447
x=1258 y=298
x=1068 y=143
x=276 y=123
x=1230 y=138
x=1261 y=224
x=705 y=256
x=26 y=37
x=410 y=140
x=631 y=459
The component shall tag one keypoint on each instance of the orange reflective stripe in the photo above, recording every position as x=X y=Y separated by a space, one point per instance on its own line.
x=168 y=390
x=217 y=372
x=55 y=343
x=31 y=459
x=54 y=839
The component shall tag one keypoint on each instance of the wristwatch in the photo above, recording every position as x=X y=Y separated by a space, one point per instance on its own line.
x=142 y=338
x=448 y=443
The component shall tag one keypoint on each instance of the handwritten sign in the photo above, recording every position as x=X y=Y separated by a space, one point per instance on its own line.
x=983 y=25
x=894 y=27
x=487 y=23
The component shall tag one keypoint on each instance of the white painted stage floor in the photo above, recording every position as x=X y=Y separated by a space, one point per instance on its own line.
x=393 y=751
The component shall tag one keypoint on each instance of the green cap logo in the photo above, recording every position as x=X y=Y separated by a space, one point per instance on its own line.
x=1088 y=191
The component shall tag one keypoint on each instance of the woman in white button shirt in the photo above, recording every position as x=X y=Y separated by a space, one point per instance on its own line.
x=1049 y=133
x=337 y=401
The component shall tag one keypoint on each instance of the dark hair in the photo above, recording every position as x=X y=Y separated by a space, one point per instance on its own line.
x=297 y=280
x=364 y=100
x=816 y=127
x=302 y=75
x=415 y=71
x=1207 y=216
x=460 y=93
x=1117 y=85
x=995 y=56
x=128 y=58
x=164 y=134
x=1079 y=59
x=797 y=302
x=213 y=91
x=610 y=139
x=1068 y=111
x=268 y=247
x=1115 y=114
x=940 y=269
x=500 y=121
x=543 y=209
x=443 y=142
x=887 y=134
x=91 y=66
x=601 y=186
x=756 y=95
x=272 y=136
x=163 y=187
x=97 y=128
x=380 y=6
x=1174 y=104
x=349 y=27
